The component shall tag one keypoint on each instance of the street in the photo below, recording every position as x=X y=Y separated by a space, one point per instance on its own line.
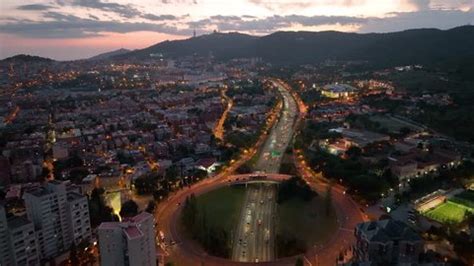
x=280 y=135
x=254 y=240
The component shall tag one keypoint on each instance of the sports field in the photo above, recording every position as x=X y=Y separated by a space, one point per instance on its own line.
x=448 y=212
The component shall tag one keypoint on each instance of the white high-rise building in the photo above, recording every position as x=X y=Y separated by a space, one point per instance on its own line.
x=17 y=241
x=60 y=216
x=130 y=242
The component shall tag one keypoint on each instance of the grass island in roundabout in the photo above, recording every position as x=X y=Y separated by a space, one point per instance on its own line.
x=259 y=221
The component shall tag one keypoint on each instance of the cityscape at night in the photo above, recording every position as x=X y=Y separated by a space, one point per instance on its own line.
x=245 y=132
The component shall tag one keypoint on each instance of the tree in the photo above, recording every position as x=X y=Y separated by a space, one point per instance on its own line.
x=190 y=215
x=294 y=187
x=129 y=209
x=45 y=173
x=99 y=211
x=146 y=184
x=404 y=131
x=354 y=152
x=328 y=200
x=73 y=256
x=299 y=262
x=150 y=208
x=172 y=173
x=199 y=173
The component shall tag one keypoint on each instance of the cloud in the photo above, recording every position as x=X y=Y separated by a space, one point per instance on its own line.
x=179 y=1
x=34 y=7
x=158 y=17
x=70 y=26
x=272 y=23
x=61 y=25
x=126 y=11
x=290 y=4
x=420 y=4
x=122 y=10
x=442 y=19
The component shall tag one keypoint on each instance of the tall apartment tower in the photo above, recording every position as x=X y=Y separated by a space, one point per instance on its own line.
x=130 y=242
x=60 y=216
x=17 y=241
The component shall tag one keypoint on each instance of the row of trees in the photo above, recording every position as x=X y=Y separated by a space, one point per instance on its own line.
x=294 y=187
x=215 y=240
x=160 y=186
x=98 y=209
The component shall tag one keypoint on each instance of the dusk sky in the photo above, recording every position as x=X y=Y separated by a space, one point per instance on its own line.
x=73 y=29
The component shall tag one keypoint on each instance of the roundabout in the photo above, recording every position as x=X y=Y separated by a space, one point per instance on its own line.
x=183 y=251
x=179 y=249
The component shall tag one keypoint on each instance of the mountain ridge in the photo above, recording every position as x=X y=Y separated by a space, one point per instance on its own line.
x=411 y=46
x=300 y=47
x=107 y=55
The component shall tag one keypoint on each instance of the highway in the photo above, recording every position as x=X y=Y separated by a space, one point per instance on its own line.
x=280 y=135
x=255 y=233
x=255 y=242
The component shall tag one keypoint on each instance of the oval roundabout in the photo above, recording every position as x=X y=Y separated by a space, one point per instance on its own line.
x=183 y=251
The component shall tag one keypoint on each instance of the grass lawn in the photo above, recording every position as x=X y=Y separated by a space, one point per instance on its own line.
x=393 y=125
x=306 y=221
x=465 y=198
x=222 y=206
x=448 y=212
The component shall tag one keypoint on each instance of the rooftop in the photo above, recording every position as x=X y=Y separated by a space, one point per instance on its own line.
x=339 y=88
x=387 y=230
x=38 y=191
x=132 y=232
x=74 y=196
x=17 y=222
x=128 y=226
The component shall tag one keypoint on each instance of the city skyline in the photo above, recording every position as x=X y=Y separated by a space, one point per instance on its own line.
x=65 y=30
x=212 y=132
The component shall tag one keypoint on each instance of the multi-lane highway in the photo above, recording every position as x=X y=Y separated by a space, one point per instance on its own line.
x=255 y=243
x=280 y=135
x=255 y=233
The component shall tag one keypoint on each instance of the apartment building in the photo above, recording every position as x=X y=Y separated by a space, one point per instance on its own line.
x=130 y=242
x=60 y=216
x=18 y=244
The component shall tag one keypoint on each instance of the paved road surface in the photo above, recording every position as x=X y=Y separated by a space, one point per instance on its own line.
x=280 y=135
x=254 y=240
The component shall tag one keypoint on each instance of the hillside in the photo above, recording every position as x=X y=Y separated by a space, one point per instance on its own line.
x=108 y=55
x=405 y=47
x=220 y=45
x=23 y=58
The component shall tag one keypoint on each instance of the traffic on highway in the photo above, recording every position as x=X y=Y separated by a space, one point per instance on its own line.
x=254 y=241
x=255 y=233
